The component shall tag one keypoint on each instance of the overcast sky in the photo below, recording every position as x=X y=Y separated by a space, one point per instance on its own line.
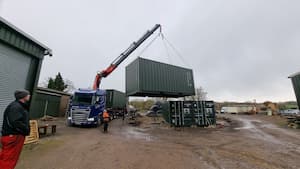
x=240 y=50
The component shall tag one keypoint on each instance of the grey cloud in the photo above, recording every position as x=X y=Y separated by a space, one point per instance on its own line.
x=239 y=50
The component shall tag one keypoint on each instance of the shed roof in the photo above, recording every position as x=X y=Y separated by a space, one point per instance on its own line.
x=11 y=37
x=293 y=75
x=51 y=91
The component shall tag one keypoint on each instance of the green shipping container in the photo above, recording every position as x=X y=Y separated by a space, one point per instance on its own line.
x=296 y=84
x=115 y=99
x=189 y=113
x=154 y=79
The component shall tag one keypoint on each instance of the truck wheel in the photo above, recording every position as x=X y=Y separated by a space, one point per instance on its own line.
x=98 y=123
x=95 y=125
x=68 y=123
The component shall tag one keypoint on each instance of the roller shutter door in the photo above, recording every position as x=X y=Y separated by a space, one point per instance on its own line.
x=14 y=67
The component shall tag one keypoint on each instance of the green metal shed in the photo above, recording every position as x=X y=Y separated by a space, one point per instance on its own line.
x=21 y=58
x=49 y=102
x=296 y=84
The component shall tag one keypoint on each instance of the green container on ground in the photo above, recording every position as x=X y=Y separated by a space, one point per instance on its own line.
x=191 y=113
x=154 y=79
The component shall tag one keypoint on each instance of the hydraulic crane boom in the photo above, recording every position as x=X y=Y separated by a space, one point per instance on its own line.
x=123 y=56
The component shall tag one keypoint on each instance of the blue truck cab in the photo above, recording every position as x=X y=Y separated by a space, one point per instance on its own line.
x=86 y=107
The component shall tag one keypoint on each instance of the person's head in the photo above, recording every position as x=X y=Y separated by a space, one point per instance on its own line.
x=22 y=95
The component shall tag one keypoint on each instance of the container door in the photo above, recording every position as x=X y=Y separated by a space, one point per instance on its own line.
x=210 y=112
x=175 y=113
x=199 y=120
x=188 y=113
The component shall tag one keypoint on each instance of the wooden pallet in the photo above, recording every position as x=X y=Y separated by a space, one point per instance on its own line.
x=34 y=133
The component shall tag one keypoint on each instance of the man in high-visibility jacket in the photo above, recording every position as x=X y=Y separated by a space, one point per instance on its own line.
x=106 y=119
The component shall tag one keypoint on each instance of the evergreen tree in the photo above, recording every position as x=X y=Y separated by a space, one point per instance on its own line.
x=50 y=83
x=57 y=83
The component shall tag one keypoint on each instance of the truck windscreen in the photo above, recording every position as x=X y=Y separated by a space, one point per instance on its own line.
x=82 y=99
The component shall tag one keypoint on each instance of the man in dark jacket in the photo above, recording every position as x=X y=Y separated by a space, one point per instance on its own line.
x=15 y=128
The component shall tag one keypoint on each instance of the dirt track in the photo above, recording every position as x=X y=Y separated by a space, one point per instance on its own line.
x=248 y=142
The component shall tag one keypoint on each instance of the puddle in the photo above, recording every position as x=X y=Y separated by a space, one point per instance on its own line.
x=137 y=133
x=257 y=133
x=247 y=124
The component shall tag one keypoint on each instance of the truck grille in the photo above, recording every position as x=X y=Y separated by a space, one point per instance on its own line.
x=80 y=116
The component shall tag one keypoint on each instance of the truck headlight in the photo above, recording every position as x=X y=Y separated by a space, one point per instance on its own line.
x=69 y=118
x=91 y=119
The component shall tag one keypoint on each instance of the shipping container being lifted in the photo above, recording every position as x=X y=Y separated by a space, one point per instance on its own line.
x=146 y=77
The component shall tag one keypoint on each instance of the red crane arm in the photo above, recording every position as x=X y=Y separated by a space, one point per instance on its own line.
x=123 y=56
x=101 y=74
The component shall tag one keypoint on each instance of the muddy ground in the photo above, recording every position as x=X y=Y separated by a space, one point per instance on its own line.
x=244 y=142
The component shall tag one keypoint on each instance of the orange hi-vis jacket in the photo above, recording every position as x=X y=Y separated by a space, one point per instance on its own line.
x=105 y=115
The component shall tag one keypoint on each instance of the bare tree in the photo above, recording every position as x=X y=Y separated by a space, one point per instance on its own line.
x=70 y=86
x=200 y=94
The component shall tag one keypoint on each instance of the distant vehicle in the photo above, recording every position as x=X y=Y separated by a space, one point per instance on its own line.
x=131 y=109
x=290 y=112
x=236 y=109
x=155 y=110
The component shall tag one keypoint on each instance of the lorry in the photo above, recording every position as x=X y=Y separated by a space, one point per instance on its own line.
x=87 y=105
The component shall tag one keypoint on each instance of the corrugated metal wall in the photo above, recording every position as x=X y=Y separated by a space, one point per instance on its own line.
x=17 y=40
x=115 y=99
x=132 y=78
x=14 y=68
x=296 y=85
x=150 y=78
x=44 y=104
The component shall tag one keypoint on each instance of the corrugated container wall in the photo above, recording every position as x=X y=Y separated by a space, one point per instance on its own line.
x=154 y=79
x=115 y=99
x=296 y=84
